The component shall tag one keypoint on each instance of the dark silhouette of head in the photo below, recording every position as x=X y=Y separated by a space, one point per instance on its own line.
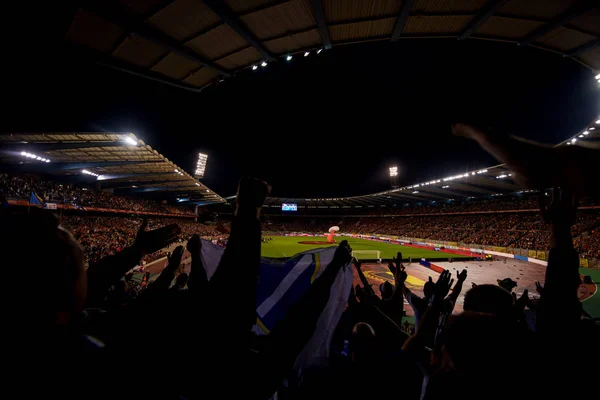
x=428 y=288
x=363 y=343
x=489 y=299
x=35 y=244
x=386 y=289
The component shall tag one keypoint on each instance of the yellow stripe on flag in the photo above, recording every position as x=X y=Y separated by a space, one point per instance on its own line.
x=317 y=259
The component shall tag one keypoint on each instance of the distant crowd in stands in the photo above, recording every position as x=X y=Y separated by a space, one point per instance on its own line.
x=511 y=230
x=104 y=236
x=21 y=186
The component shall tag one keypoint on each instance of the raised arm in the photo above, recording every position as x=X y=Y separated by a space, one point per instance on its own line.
x=461 y=277
x=167 y=275
x=367 y=288
x=429 y=322
x=198 y=280
x=559 y=306
x=232 y=288
x=112 y=268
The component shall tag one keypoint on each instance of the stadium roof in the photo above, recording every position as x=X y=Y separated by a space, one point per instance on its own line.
x=193 y=43
x=489 y=182
x=484 y=183
x=118 y=161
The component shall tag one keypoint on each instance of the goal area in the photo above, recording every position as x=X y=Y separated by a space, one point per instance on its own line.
x=366 y=254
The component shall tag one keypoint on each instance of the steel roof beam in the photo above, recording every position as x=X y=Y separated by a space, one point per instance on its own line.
x=96 y=164
x=128 y=184
x=559 y=21
x=317 y=6
x=401 y=20
x=113 y=12
x=223 y=12
x=488 y=10
x=44 y=146
x=583 y=48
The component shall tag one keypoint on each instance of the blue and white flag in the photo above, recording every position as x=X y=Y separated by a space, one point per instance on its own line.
x=282 y=284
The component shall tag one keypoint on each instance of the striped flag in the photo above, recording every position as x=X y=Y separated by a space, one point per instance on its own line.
x=282 y=284
x=36 y=200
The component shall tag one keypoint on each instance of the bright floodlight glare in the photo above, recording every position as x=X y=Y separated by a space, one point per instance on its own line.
x=598 y=76
x=598 y=122
x=201 y=165
x=586 y=133
x=580 y=135
x=573 y=140
x=47 y=160
x=289 y=57
x=393 y=171
x=23 y=153
x=131 y=141
x=320 y=50
x=306 y=54
x=254 y=67
x=264 y=64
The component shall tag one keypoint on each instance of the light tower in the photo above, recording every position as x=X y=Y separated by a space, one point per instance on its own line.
x=201 y=166
x=394 y=177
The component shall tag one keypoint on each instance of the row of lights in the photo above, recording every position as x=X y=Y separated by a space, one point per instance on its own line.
x=85 y=171
x=503 y=176
x=288 y=58
x=178 y=172
x=34 y=157
x=583 y=134
x=587 y=131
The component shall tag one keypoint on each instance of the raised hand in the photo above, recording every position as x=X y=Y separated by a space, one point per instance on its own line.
x=175 y=258
x=147 y=242
x=562 y=209
x=251 y=195
x=442 y=286
x=194 y=245
x=462 y=276
x=343 y=253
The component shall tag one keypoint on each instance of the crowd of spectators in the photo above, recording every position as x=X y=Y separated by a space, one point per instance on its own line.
x=512 y=230
x=20 y=187
x=103 y=236
x=92 y=334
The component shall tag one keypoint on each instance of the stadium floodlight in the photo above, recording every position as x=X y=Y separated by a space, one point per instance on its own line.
x=445 y=187
x=263 y=64
x=320 y=50
x=415 y=192
x=34 y=157
x=598 y=76
x=592 y=129
x=393 y=171
x=130 y=141
x=568 y=143
x=598 y=122
x=586 y=132
x=201 y=165
x=306 y=54
x=289 y=57
x=86 y=172
x=197 y=184
x=580 y=136
x=573 y=140
x=254 y=67
x=208 y=190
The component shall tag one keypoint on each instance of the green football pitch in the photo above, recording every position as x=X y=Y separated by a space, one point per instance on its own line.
x=287 y=246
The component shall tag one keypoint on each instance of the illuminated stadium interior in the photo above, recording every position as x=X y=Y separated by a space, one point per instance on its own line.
x=300 y=199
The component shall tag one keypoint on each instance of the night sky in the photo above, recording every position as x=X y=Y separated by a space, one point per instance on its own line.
x=325 y=125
